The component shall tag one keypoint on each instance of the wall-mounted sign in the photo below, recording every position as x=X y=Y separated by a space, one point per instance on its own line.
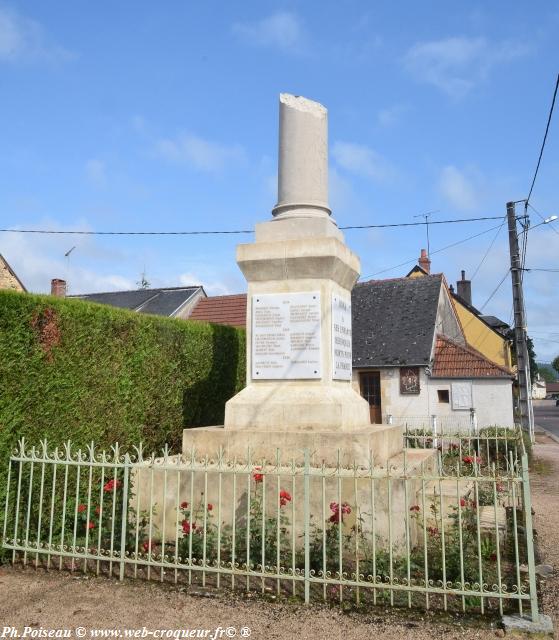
x=409 y=380
x=286 y=336
x=461 y=396
x=341 y=337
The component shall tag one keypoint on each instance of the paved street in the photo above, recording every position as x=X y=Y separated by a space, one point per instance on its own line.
x=546 y=415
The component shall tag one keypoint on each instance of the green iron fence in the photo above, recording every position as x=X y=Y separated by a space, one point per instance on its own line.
x=431 y=529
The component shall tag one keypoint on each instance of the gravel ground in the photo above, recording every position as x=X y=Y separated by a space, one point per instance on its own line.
x=58 y=600
x=545 y=497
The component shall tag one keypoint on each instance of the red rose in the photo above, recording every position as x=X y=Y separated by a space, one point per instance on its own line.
x=468 y=459
x=346 y=508
x=111 y=485
x=186 y=526
x=284 y=497
x=210 y=506
x=91 y=525
x=433 y=531
x=98 y=511
x=258 y=477
x=184 y=505
x=146 y=546
x=462 y=502
x=334 y=506
x=415 y=507
x=81 y=508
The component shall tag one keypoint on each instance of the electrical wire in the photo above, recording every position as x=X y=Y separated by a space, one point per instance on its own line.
x=449 y=246
x=233 y=231
x=488 y=249
x=550 y=223
x=544 y=140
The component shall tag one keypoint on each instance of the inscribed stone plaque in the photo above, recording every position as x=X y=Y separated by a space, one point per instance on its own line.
x=341 y=337
x=286 y=342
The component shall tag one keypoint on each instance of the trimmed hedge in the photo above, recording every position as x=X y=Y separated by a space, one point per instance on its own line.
x=87 y=372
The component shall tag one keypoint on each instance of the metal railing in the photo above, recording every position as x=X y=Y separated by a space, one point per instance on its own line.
x=463 y=423
x=420 y=531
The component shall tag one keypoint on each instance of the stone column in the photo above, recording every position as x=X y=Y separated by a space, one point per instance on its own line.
x=300 y=251
x=302 y=159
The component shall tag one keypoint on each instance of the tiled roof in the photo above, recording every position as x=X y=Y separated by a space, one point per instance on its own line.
x=228 y=310
x=161 y=302
x=394 y=321
x=455 y=361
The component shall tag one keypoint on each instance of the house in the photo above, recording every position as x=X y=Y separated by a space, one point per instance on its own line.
x=411 y=359
x=539 y=388
x=552 y=389
x=8 y=277
x=172 y=302
x=228 y=310
x=485 y=333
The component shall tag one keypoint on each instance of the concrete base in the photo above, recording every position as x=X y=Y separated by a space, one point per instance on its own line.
x=522 y=627
x=382 y=441
x=297 y=406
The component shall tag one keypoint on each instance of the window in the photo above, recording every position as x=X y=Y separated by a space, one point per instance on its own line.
x=443 y=395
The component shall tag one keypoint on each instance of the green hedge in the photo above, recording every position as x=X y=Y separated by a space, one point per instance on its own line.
x=87 y=372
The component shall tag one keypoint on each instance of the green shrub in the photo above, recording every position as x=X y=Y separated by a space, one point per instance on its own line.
x=73 y=370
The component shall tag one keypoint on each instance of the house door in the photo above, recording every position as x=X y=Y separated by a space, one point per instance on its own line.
x=369 y=384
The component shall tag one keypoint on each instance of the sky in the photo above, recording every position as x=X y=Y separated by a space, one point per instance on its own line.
x=146 y=116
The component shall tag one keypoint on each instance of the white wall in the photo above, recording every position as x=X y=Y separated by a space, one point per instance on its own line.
x=492 y=398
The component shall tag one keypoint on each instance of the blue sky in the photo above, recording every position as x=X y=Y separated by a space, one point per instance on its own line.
x=163 y=116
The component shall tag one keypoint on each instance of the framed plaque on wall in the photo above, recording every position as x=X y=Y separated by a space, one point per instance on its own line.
x=409 y=380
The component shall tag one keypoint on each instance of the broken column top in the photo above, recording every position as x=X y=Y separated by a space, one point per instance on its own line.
x=302 y=159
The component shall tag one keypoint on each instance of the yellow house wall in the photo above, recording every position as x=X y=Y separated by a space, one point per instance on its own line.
x=481 y=337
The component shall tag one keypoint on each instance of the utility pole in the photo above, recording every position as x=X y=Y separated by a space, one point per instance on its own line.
x=522 y=359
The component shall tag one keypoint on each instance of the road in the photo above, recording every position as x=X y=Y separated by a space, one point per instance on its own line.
x=546 y=415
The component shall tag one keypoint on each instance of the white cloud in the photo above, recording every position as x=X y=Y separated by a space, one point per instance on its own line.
x=199 y=153
x=38 y=258
x=212 y=288
x=282 y=30
x=457 y=189
x=455 y=65
x=95 y=172
x=362 y=161
x=24 y=40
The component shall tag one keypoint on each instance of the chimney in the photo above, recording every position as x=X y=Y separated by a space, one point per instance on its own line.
x=464 y=288
x=424 y=261
x=58 y=288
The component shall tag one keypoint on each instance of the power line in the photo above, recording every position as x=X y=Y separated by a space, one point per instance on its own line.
x=544 y=140
x=232 y=231
x=448 y=246
x=541 y=269
x=495 y=290
x=489 y=248
x=550 y=223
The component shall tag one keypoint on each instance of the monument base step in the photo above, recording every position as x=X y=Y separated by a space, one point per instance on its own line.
x=381 y=441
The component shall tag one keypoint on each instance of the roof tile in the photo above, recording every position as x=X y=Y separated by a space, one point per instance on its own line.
x=228 y=310
x=455 y=361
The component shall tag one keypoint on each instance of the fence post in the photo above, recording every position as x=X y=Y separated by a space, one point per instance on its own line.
x=306 y=518
x=434 y=430
x=124 y=516
x=473 y=422
x=529 y=533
